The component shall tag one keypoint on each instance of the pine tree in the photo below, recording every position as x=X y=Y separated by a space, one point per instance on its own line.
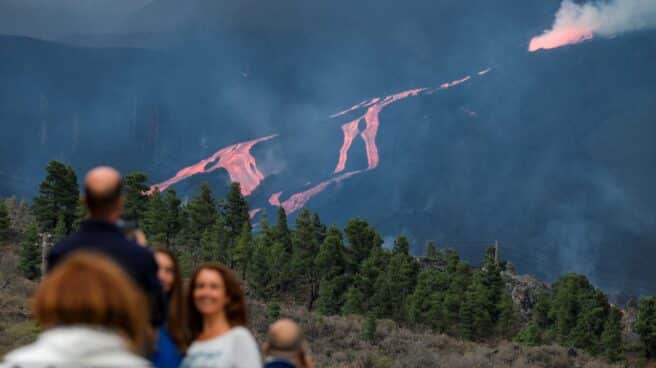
x=135 y=198
x=58 y=194
x=508 y=318
x=80 y=215
x=395 y=284
x=370 y=270
x=645 y=324
x=425 y=303
x=235 y=210
x=353 y=301
x=431 y=252
x=30 y=253
x=259 y=274
x=320 y=229
x=214 y=245
x=330 y=265
x=611 y=338
x=401 y=246
x=529 y=335
x=59 y=233
x=5 y=224
x=171 y=215
x=330 y=261
x=305 y=250
x=330 y=296
x=361 y=239
x=243 y=250
x=467 y=329
x=202 y=212
x=154 y=219
x=279 y=266
x=281 y=233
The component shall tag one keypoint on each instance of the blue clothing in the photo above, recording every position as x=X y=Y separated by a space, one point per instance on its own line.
x=278 y=363
x=166 y=353
x=137 y=261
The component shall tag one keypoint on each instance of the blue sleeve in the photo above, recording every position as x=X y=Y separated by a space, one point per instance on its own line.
x=155 y=293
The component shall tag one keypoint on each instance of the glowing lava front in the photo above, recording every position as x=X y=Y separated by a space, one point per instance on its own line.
x=236 y=160
x=558 y=38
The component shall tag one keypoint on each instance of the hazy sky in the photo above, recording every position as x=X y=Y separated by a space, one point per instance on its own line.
x=58 y=18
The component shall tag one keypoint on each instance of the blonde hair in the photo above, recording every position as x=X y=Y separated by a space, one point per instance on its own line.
x=87 y=288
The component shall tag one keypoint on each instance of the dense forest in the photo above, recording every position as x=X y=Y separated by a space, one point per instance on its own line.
x=333 y=271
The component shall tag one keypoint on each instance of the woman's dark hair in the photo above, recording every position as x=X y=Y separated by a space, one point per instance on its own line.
x=175 y=321
x=235 y=310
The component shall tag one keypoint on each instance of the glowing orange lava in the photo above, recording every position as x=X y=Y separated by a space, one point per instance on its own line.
x=236 y=160
x=558 y=38
x=298 y=200
x=274 y=200
x=454 y=83
x=372 y=121
x=350 y=132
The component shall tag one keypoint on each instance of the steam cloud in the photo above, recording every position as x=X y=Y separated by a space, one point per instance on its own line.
x=576 y=23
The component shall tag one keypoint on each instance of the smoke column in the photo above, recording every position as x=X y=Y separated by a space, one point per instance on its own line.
x=576 y=23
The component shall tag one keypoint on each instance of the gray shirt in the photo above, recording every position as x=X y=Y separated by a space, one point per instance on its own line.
x=235 y=349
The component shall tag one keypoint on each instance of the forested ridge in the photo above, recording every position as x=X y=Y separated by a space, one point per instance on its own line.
x=348 y=271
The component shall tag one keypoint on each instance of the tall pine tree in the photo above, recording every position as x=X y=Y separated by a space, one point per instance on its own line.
x=235 y=210
x=202 y=211
x=306 y=248
x=281 y=231
x=135 y=198
x=172 y=215
x=30 y=253
x=58 y=195
x=361 y=239
x=645 y=324
x=153 y=220
x=243 y=250
x=331 y=264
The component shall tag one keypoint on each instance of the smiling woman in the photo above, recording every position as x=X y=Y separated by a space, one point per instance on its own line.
x=217 y=320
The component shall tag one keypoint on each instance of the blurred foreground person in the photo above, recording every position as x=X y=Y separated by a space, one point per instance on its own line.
x=92 y=315
x=286 y=346
x=217 y=319
x=172 y=338
x=104 y=201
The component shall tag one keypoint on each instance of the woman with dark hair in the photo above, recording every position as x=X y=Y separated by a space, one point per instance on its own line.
x=172 y=337
x=217 y=319
x=93 y=316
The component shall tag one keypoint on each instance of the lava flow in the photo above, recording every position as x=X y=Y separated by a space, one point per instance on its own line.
x=298 y=200
x=236 y=159
x=559 y=37
x=372 y=121
x=351 y=129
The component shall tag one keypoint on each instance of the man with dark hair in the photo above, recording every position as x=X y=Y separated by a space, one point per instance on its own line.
x=286 y=346
x=100 y=233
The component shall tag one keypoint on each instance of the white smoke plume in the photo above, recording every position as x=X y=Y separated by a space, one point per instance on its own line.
x=575 y=23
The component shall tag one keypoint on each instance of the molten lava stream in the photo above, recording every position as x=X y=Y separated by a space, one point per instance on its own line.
x=298 y=200
x=350 y=132
x=235 y=159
